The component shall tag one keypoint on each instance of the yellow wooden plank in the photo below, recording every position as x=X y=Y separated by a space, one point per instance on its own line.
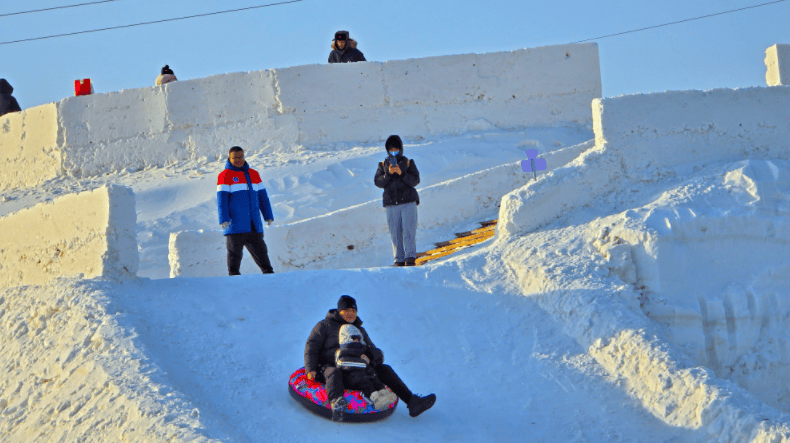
x=449 y=250
x=467 y=240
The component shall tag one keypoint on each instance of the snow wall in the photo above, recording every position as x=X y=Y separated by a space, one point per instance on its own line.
x=645 y=137
x=91 y=233
x=777 y=64
x=298 y=107
x=689 y=349
x=297 y=247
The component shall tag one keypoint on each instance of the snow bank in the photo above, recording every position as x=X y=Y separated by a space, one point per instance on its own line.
x=730 y=313
x=288 y=109
x=777 y=64
x=644 y=137
x=322 y=242
x=568 y=279
x=91 y=233
x=71 y=373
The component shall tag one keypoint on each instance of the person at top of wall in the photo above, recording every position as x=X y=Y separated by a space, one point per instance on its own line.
x=8 y=103
x=344 y=49
x=166 y=76
x=241 y=198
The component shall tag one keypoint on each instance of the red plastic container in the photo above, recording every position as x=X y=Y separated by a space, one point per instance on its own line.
x=83 y=87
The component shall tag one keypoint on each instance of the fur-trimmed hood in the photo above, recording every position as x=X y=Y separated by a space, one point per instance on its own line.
x=350 y=43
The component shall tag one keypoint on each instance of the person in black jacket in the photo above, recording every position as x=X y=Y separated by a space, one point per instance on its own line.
x=398 y=176
x=7 y=102
x=344 y=49
x=320 y=365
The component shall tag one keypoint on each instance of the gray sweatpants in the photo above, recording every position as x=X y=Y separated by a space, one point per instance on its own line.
x=402 y=221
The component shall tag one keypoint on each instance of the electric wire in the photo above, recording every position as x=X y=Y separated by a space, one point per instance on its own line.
x=150 y=23
x=56 y=7
x=680 y=21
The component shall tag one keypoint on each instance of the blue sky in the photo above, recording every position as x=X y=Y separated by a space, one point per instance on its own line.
x=723 y=51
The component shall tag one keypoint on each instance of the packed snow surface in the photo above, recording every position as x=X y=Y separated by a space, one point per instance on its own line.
x=639 y=298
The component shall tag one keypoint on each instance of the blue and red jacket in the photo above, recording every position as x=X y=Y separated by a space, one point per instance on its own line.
x=241 y=198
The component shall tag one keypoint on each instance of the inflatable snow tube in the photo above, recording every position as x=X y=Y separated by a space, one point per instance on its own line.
x=312 y=396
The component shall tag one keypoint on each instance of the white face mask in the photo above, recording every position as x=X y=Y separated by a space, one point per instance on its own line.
x=394 y=153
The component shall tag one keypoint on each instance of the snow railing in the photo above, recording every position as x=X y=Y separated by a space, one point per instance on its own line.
x=323 y=242
x=642 y=137
x=292 y=108
x=91 y=233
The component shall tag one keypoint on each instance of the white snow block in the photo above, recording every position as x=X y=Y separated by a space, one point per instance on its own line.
x=342 y=87
x=777 y=64
x=91 y=233
x=220 y=99
x=112 y=131
x=29 y=147
x=644 y=137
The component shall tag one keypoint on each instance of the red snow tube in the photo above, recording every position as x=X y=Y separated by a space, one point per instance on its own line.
x=312 y=396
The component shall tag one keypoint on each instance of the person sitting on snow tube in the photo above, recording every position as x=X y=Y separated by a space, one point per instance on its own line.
x=357 y=373
x=319 y=360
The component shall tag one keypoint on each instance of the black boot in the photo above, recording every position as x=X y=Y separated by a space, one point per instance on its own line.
x=418 y=404
x=399 y=263
x=410 y=261
x=338 y=408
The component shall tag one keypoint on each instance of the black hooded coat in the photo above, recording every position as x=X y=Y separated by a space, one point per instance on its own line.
x=398 y=189
x=324 y=340
x=349 y=54
x=7 y=102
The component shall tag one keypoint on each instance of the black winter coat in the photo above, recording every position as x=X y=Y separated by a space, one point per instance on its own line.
x=7 y=102
x=398 y=189
x=324 y=340
x=349 y=54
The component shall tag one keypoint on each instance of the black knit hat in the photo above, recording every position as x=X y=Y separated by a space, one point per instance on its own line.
x=393 y=141
x=167 y=70
x=345 y=302
x=341 y=35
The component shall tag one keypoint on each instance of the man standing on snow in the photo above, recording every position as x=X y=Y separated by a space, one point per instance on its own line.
x=241 y=198
x=344 y=49
x=320 y=364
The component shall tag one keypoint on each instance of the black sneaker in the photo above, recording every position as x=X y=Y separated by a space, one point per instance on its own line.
x=338 y=408
x=418 y=404
x=410 y=261
x=399 y=263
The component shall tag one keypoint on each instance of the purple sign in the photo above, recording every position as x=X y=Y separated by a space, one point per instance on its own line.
x=533 y=164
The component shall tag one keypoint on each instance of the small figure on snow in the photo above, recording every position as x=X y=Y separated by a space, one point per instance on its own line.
x=8 y=103
x=399 y=176
x=241 y=198
x=357 y=372
x=344 y=49
x=320 y=360
x=166 y=76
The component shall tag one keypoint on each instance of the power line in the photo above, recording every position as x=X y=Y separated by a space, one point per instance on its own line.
x=681 y=21
x=56 y=7
x=150 y=23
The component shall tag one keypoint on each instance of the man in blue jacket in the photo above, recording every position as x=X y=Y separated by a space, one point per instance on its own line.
x=241 y=198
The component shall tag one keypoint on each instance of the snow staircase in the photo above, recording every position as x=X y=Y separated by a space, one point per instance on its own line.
x=463 y=240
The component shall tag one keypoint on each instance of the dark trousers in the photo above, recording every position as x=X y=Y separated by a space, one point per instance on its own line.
x=254 y=243
x=334 y=382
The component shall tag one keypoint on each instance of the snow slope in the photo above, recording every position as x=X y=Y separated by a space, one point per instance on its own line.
x=637 y=294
